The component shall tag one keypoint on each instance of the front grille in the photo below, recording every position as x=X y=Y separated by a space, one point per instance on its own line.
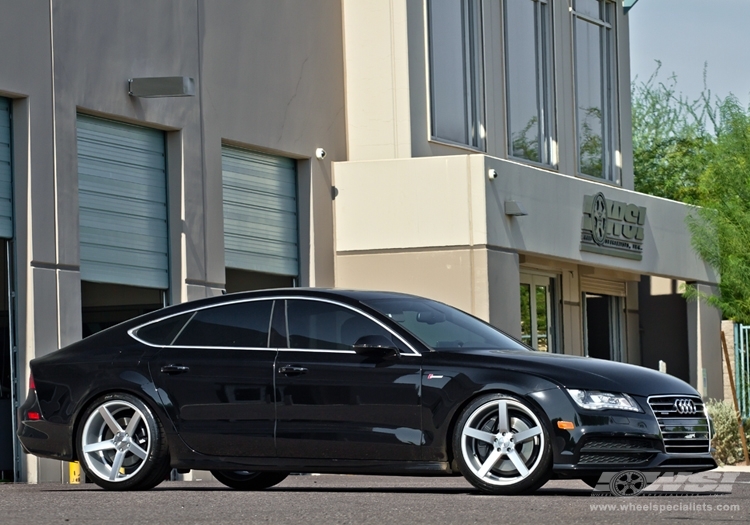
x=683 y=424
x=614 y=459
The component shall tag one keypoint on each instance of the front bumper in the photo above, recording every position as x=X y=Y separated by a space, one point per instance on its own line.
x=611 y=440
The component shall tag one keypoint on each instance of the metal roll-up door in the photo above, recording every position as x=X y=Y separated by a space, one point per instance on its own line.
x=6 y=186
x=603 y=287
x=122 y=196
x=260 y=212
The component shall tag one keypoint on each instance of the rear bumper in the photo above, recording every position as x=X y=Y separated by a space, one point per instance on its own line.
x=41 y=437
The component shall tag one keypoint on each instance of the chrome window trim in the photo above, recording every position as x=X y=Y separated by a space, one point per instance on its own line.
x=132 y=331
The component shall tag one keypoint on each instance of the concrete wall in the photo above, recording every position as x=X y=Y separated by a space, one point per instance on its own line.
x=449 y=201
x=704 y=345
x=269 y=76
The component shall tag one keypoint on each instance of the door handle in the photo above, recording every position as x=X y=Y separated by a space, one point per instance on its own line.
x=174 y=369
x=292 y=370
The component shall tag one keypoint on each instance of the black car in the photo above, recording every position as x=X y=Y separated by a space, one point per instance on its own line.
x=252 y=386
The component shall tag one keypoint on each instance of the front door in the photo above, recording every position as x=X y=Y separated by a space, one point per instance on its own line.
x=216 y=380
x=335 y=404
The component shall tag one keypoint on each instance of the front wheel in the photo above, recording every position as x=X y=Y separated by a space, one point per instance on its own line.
x=121 y=445
x=248 y=480
x=501 y=446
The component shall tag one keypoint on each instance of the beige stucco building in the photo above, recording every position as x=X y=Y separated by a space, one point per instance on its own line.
x=474 y=151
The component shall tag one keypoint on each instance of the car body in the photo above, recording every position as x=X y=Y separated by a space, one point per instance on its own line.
x=255 y=385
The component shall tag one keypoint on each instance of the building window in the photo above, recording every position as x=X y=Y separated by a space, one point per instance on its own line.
x=529 y=80
x=593 y=26
x=540 y=316
x=456 y=72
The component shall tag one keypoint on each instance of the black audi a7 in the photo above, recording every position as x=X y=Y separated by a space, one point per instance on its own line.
x=253 y=386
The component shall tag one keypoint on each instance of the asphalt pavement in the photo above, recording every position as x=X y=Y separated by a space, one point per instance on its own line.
x=722 y=497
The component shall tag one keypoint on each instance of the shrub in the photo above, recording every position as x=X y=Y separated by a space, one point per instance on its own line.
x=726 y=439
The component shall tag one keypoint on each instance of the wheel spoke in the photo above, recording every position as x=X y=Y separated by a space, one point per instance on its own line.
x=97 y=447
x=527 y=434
x=518 y=462
x=116 y=464
x=133 y=423
x=489 y=463
x=113 y=425
x=479 y=434
x=137 y=450
x=502 y=417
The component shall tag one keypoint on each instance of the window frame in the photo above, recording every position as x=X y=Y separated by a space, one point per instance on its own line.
x=609 y=91
x=275 y=299
x=544 y=53
x=473 y=61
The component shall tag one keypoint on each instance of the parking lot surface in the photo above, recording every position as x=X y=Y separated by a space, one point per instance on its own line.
x=359 y=500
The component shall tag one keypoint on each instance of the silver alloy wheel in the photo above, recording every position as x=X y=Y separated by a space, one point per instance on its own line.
x=116 y=440
x=502 y=442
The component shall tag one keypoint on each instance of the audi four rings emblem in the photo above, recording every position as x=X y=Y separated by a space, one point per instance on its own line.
x=685 y=406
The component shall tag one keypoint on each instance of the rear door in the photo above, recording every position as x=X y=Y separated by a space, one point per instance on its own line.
x=216 y=380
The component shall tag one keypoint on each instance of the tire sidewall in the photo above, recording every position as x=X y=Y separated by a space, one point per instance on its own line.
x=531 y=482
x=155 y=453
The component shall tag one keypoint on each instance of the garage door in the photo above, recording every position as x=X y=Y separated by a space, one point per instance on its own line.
x=260 y=212
x=122 y=195
x=6 y=188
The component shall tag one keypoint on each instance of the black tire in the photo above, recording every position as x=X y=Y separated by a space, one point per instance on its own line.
x=119 y=431
x=490 y=457
x=246 y=480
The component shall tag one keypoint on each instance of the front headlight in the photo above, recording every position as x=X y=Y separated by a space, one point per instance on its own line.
x=594 y=400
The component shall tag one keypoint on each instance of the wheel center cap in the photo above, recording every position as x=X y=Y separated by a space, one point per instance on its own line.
x=121 y=440
x=504 y=440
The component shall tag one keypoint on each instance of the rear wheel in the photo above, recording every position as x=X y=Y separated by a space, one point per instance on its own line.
x=501 y=446
x=121 y=445
x=248 y=480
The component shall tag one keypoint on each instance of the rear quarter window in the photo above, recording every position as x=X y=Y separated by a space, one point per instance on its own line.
x=163 y=332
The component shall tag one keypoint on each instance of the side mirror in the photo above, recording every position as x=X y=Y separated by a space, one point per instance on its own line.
x=375 y=346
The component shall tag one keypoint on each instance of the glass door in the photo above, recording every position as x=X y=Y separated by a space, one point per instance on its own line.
x=539 y=312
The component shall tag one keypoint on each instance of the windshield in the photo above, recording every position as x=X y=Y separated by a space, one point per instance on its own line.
x=440 y=326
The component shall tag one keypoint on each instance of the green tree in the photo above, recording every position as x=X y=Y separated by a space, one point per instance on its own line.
x=670 y=137
x=720 y=227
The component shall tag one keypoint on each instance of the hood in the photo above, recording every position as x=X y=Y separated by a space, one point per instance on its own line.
x=582 y=372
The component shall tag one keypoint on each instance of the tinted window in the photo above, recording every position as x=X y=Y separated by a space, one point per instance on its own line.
x=440 y=326
x=232 y=325
x=163 y=332
x=319 y=325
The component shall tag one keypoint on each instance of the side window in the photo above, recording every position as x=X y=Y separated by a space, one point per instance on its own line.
x=456 y=71
x=163 y=332
x=317 y=325
x=240 y=325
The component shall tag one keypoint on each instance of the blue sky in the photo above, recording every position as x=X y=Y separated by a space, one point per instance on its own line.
x=685 y=34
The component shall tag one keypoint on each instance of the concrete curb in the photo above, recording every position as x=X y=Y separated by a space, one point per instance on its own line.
x=733 y=468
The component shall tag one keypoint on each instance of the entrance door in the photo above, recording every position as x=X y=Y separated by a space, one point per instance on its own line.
x=603 y=324
x=539 y=312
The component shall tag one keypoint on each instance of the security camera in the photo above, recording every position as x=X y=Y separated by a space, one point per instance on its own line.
x=492 y=174
x=320 y=153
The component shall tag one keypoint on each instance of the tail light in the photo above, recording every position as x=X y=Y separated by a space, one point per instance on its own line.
x=32 y=386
